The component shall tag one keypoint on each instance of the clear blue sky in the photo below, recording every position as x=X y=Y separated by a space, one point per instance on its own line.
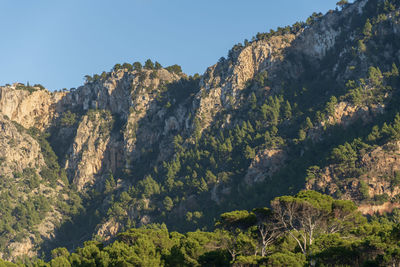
x=57 y=42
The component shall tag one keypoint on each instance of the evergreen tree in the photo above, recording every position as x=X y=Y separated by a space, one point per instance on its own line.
x=287 y=110
x=149 y=64
x=157 y=65
x=137 y=66
x=342 y=3
x=127 y=66
x=308 y=123
x=174 y=69
x=117 y=67
x=168 y=203
x=367 y=31
x=395 y=70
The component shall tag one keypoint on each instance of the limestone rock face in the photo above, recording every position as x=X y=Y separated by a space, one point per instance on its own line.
x=317 y=39
x=127 y=99
x=264 y=165
x=145 y=114
x=111 y=93
x=109 y=229
x=381 y=162
x=18 y=150
x=386 y=207
x=46 y=229
x=21 y=163
x=116 y=92
x=378 y=164
x=221 y=82
x=345 y=114
x=135 y=124
x=89 y=148
x=30 y=109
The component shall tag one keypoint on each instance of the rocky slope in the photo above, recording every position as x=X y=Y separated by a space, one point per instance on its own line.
x=132 y=147
x=29 y=194
x=30 y=107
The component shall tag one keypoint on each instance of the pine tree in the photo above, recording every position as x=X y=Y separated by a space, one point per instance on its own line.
x=253 y=101
x=342 y=3
x=361 y=46
x=302 y=135
x=330 y=106
x=249 y=152
x=149 y=64
x=168 y=203
x=395 y=70
x=367 y=29
x=137 y=66
x=309 y=124
x=157 y=65
x=287 y=110
x=117 y=67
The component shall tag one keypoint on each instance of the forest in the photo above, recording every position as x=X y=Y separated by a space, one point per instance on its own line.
x=306 y=229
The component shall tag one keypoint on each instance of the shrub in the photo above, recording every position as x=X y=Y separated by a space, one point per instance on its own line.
x=174 y=69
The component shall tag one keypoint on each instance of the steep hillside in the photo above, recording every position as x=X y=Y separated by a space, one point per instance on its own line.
x=35 y=194
x=312 y=105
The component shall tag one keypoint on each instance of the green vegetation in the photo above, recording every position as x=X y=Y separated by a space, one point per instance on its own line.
x=149 y=64
x=127 y=66
x=174 y=68
x=157 y=65
x=137 y=66
x=68 y=119
x=29 y=88
x=342 y=3
x=297 y=230
x=27 y=197
x=311 y=121
x=302 y=120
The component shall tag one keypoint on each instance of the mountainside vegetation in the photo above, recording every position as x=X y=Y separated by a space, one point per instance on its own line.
x=308 y=228
x=123 y=163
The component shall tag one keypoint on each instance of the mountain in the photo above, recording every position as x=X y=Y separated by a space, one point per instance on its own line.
x=309 y=106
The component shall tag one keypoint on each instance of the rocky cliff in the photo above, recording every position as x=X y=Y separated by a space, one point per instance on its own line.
x=29 y=193
x=30 y=107
x=294 y=108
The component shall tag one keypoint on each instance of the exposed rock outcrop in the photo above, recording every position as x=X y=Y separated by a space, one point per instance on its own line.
x=88 y=150
x=18 y=150
x=30 y=108
x=379 y=166
x=21 y=163
x=167 y=134
x=221 y=82
x=264 y=165
x=109 y=229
